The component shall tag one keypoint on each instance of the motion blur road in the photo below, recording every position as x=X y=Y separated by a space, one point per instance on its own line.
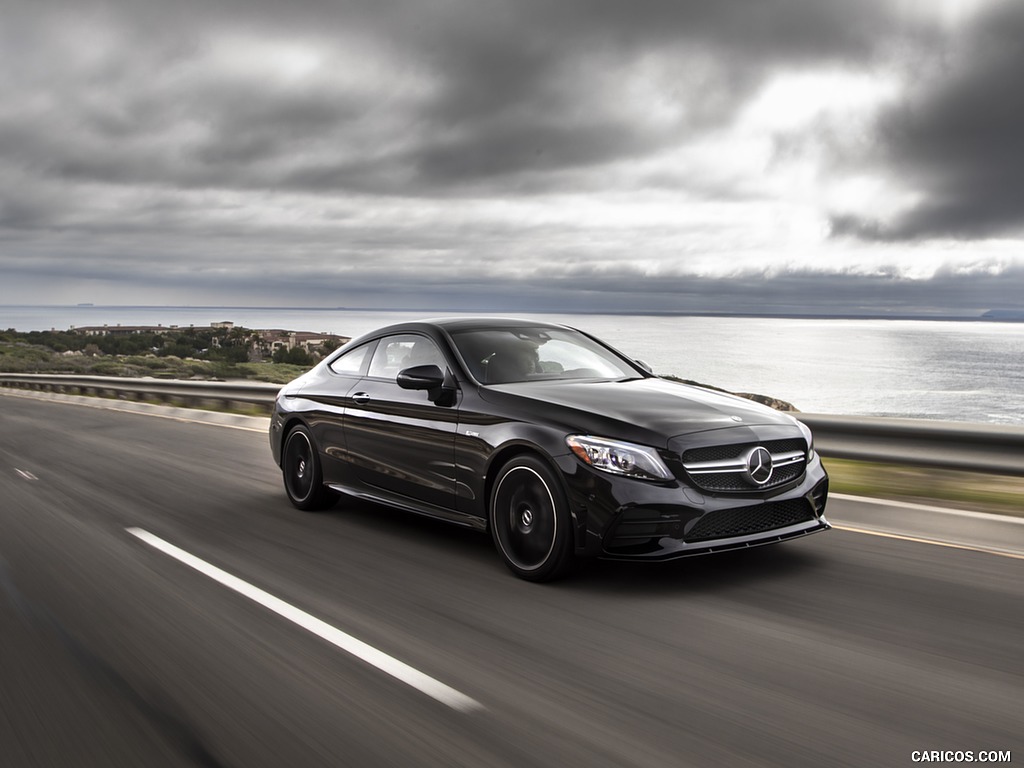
x=845 y=648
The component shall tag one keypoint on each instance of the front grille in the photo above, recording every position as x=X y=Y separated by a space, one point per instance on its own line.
x=737 y=481
x=726 y=523
x=734 y=479
x=721 y=452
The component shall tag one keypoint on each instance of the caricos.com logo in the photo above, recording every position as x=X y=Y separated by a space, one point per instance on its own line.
x=961 y=756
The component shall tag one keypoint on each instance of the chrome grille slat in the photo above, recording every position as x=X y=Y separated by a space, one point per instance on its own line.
x=723 y=468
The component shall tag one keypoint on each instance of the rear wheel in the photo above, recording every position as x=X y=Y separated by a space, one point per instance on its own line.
x=303 y=477
x=529 y=520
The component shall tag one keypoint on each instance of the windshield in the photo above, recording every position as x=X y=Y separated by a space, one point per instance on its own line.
x=506 y=355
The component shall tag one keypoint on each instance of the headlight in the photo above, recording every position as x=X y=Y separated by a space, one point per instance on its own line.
x=618 y=458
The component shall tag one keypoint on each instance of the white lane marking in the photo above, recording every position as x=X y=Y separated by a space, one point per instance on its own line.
x=391 y=666
x=933 y=542
x=25 y=474
x=929 y=508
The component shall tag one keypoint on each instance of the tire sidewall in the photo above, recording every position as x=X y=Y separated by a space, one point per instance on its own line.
x=560 y=552
x=311 y=499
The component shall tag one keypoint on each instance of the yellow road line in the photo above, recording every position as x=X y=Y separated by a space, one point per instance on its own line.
x=901 y=537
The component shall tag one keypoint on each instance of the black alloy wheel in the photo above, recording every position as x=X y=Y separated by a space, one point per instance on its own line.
x=303 y=478
x=529 y=520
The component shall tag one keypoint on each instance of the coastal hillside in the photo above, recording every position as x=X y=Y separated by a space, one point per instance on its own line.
x=218 y=352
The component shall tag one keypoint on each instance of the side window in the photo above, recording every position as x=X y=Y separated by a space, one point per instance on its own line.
x=351 y=363
x=395 y=353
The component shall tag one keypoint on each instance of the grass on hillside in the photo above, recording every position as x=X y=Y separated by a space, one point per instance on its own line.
x=970 y=490
x=27 y=358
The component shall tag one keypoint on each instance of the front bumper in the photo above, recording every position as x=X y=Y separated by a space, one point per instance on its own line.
x=623 y=519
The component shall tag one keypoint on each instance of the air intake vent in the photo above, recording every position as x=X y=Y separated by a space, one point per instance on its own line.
x=726 y=523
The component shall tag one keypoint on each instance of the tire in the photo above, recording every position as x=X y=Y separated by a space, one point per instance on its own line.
x=303 y=477
x=529 y=520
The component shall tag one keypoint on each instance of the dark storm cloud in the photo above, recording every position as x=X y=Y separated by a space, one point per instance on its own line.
x=482 y=151
x=18 y=211
x=537 y=86
x=959 y=138
x=545 y=288
x=799 y=291
x=515 y=87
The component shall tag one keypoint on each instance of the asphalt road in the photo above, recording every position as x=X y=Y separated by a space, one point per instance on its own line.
x=844 y=648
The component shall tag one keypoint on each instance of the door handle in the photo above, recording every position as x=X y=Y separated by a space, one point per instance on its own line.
x=361 y=398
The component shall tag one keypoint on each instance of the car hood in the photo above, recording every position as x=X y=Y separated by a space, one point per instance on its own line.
x=651 y=405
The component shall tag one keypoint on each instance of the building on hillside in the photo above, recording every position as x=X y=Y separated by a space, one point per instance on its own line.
x=269 y=340
x=122 y=330
x=261 y=342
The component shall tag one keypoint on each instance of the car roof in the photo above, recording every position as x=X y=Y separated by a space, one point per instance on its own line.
x=484 y=322
x=461 y=323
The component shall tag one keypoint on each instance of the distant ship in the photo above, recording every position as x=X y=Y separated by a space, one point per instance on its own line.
x=85 y=304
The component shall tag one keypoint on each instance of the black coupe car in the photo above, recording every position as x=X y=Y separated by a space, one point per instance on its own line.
x=558 y=444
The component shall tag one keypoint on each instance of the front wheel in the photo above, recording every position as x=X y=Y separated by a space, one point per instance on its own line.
x=303 y=477
x=529 y=520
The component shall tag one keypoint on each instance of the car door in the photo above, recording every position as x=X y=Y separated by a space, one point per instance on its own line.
x=398 y=440
x=331 y=397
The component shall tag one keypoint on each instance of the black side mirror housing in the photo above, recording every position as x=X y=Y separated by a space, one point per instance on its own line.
x=421 y=377
x=440 y=386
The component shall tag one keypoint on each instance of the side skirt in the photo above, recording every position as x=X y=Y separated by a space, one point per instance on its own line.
x=408 y=505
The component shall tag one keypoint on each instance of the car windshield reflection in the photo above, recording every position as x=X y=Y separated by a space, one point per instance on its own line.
x=511 y=355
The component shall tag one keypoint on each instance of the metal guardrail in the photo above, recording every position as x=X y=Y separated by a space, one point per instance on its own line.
x=172 y=391
x=991 y=448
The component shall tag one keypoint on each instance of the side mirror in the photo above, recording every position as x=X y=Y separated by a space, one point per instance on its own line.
x=441 y=387
x=421 y=377
x=644 y=365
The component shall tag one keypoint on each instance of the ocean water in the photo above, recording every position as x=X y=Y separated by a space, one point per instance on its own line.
x=957 y=371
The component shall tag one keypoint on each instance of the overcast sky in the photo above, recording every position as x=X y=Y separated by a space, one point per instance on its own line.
x=735 y=155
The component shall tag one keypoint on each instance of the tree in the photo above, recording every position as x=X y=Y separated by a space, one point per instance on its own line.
x=294 y=356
